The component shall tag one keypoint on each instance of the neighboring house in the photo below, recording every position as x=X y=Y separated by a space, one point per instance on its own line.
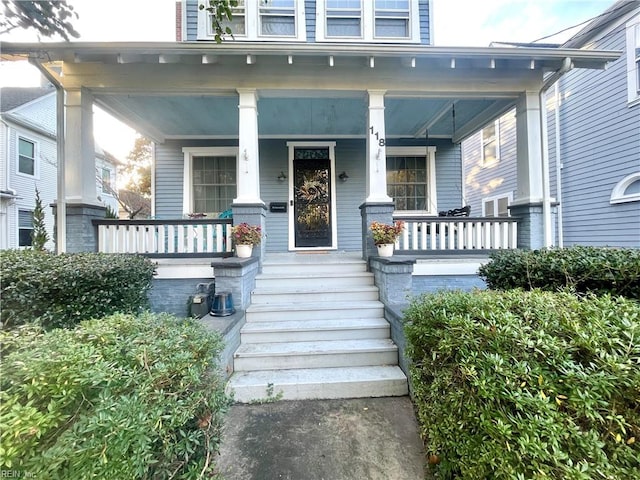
x=28 y=161
x=593 y=127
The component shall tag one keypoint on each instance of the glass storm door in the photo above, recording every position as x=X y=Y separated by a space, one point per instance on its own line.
x=312 y=197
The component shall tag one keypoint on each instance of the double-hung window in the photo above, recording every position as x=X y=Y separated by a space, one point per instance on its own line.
x=209 y=179
x=343 y=18
x=254 y=20
x=490 y=150
x=388 y=21
x=633 y=60
x=26 y=157
x=392 y=19
x=25 y=228
x=411 y=179
x=277 y=18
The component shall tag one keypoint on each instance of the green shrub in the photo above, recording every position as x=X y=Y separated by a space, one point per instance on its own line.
x=62 y=290
x=583 y=269
x=527 y=385
x=123 y=397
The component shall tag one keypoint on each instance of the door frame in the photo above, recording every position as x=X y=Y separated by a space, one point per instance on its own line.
x=333 y=210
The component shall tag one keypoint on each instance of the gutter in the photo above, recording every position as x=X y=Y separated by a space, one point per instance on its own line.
x=61 y=206
x=546 y=188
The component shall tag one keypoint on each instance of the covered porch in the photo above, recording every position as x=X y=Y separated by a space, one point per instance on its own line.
x=280 y=120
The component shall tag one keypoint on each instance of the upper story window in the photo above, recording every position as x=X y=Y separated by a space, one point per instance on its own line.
x=26 y=157
x=259 y=20
x=490 y=144
x=392 y=18
x=278 y=18
x=633 y=60
x=388 y=21
x=344 y=18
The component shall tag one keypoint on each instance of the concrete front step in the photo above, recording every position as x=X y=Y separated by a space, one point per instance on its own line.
x=317 y=295
x=314 y=311
x=318 y=354
x=318 y=383
x=314 y=330
x=319 y=268
x=313 y=280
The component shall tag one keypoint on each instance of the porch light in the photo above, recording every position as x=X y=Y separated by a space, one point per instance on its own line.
x=343 y=176
x=282 y=177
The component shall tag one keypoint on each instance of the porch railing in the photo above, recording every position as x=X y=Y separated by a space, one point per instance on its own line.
x=457 y=233
x=165 y=237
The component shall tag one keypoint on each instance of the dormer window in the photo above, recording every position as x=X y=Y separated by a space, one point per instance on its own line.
x=259 y=20
x=388 y=21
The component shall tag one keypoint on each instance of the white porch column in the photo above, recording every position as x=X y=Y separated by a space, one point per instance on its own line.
x=80 y=156
x=529 y=149
x=528 y=202
x=248 y=167
x=376 y=150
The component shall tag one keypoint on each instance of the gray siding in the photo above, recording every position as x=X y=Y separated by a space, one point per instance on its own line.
x=425 y=16
x=310 y=18
x=600 y=145
x=350 y=158
x=191 y=21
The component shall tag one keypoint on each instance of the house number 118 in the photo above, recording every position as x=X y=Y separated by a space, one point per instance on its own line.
x=381 y=141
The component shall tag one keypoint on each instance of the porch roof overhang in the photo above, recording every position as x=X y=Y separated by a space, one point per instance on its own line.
x=305 y=90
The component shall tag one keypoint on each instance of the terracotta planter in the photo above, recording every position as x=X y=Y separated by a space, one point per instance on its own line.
x=385 y=249
x=244 y=251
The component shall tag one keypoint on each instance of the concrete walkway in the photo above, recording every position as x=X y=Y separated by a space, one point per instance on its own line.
x=363 y=439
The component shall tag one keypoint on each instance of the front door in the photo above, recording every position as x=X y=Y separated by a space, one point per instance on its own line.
x=312 y=198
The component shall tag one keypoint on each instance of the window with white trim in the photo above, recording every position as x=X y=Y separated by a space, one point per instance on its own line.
x=411 y=179
x=633 y=60
x=27 y=164
x=389 y=21
x=392 y=19
x=209 y=179
x=25 y=228
x=497 y=206
x=261 y=19
x=490 y=151
x=626 y=190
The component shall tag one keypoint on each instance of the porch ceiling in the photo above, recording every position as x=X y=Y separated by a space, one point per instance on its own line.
x=208 y=116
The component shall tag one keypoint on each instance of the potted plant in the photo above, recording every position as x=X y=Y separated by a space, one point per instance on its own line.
x=244 y=237
x=385 y=236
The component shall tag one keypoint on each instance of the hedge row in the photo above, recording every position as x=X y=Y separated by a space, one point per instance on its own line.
x=62 y=290
x=120 y=397
x=582 y=269
x=515 y=385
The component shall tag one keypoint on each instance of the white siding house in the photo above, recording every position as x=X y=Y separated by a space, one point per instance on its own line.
x=28 y=161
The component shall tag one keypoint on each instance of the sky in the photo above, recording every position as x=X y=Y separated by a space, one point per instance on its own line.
x=456 y=23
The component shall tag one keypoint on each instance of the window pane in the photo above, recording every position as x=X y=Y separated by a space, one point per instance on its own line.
x=25 y=228
x=277 y=17
x=213 y=183
x=488 y=209
x=392 y=27
x=407 y=182
x=26 y=157
x=344 y=18
x=503 y=203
